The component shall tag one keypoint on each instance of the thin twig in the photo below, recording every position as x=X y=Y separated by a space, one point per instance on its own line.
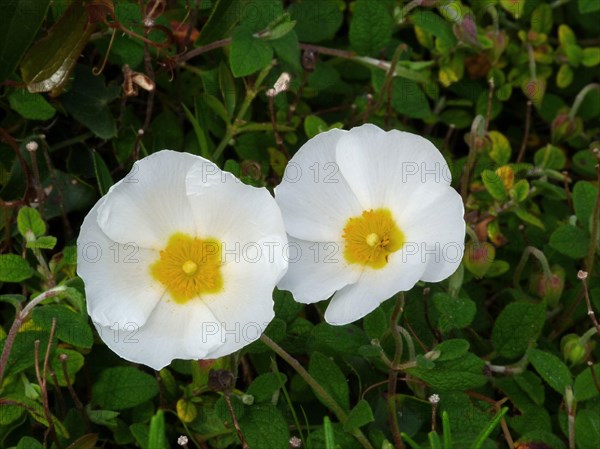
x=590 y=311
x=317 y=388
x=526 y=135
x=235 y=421
x=591 y=255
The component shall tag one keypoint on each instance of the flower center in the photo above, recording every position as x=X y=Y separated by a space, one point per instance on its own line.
x=371 y=238
x=189 y=267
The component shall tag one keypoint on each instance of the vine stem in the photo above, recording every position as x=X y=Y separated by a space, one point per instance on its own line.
x=232 y=129
x=317 y=388
x=590 y=258
x=20 y=317
x=530 y=250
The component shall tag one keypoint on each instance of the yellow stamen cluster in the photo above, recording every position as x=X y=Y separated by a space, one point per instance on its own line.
x=371 y=238
x=189 y=267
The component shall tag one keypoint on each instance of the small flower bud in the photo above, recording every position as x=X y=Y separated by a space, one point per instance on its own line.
x=549 y=288
x=582 y=275
x=186 y=411
x=434 y=398
x=247 y=399
x=572 y=349
x=295 y=442
x=479 y=257
x=182 y=440
x=564 y=127
x=32 y=146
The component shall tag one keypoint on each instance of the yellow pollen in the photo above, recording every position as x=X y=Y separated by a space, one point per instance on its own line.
x=371 y=237
x=189 y=267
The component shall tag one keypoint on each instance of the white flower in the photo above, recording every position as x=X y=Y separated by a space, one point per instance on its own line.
x=370 y=213
x=179 y=260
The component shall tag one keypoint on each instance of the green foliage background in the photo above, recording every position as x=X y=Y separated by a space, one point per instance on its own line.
x=507 y=89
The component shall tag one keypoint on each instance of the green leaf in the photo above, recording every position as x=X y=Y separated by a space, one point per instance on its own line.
x=264 y=386
x=29 y=443
x=585 y=387
x=518 y=324
x=22 y=353
x=123 y=387
x=280 y=27
x=342 y=340
x=587 y=429
x=376 y=324
x=564 y=76
x=228 y=92
x=103 y=176
x=29 y=219
x=359 y=416
x=515 y=7
x=43 y=242
x=501 y=149
x=157 y=438
x=224 y=17
x=588 y=6
x=329 y=376
x=74 y=362
x=370 y=27
x=541 y=19
x=457 y=374
x=314 y=125
x=528 y=217
x=571 y=241
x=552 y=369
x=88 y=100
x=71 y=327
x=85 y=442
x=408 y=98
x=248 y=54
x=591 y=56
x=584 y=199
x=532 y=385
x=14 y=268
x=455 y=313
x=436 y=25
x=287 y=50
x=31 y=106
x=520 y=190
x=550 y=157
x=48 y=63
x=452 y=349
x=494 y=185
x=264 y=427
x=316 y=20
x=19 y=23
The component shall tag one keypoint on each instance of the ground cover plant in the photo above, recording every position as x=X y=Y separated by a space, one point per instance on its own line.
x=500 y=351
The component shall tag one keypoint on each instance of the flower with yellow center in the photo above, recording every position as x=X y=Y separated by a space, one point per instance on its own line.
x=179 y=260
x=370 y=213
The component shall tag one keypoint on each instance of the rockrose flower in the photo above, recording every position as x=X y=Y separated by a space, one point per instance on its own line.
x=369 y=213
x=179 y=260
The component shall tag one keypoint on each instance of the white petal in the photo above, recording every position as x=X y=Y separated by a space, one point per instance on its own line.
x=235 y=213
x=245 y=307
x=317 y=270
x=383 y=167
x=433 y=224
x=314 y=197
x=173 y=331
x=248 y=222
x=150 y=203
x=355 y=301
x=118 y=285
